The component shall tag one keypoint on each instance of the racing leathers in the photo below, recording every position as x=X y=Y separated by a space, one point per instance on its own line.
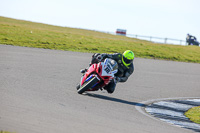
x=123 y=71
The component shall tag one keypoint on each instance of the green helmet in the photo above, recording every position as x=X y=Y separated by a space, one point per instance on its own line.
x=127 y=57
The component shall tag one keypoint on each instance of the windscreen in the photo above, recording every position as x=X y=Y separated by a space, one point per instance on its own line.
x=113 y=64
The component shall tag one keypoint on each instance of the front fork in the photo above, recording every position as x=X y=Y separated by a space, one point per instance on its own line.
x=91 y=76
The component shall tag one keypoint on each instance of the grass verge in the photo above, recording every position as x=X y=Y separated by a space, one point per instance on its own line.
x=194 y=114
x=4 y=132
x=29 y=34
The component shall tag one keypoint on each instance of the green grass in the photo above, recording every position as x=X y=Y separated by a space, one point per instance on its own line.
x=194 y=114
x=4 y=132
x=29 y=34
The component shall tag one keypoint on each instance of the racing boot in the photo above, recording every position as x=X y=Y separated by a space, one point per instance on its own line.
x=82 y=70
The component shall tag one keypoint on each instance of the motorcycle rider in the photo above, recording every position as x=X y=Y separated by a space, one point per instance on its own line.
x=190 y=39
x=125 y=67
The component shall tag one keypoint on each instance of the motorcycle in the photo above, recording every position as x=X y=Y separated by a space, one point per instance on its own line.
x=195 y=43
x=98 y=76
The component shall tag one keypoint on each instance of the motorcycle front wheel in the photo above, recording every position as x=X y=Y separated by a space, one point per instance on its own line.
x=87 y=85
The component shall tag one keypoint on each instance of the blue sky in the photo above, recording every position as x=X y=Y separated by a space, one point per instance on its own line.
x=159 y=18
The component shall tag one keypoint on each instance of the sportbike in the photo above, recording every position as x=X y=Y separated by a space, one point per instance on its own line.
x=98 y=76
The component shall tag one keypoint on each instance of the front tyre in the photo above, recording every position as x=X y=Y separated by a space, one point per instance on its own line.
x=87 y=85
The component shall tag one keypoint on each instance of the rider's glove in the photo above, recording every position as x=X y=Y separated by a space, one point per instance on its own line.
x=95 y=55
x=100 y=57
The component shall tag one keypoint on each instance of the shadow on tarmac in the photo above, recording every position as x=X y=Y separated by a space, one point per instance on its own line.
x=114 y=99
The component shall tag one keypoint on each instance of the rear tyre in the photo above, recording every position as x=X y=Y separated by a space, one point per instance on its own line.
x=87 y=85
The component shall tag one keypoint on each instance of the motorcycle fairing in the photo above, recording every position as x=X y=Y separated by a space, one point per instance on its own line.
x=104 y=73
x=91 y=69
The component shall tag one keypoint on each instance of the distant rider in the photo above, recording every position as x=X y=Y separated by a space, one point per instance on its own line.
x=125 y=66
x=190 y=39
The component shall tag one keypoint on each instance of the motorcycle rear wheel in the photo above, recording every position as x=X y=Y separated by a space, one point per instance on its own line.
x=87 y=85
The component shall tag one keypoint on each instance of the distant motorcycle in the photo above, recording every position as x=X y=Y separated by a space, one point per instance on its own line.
x=98 y=76
x=195 y=43
x=192 y=41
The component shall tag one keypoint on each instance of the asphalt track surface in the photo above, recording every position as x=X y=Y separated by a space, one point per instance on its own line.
x=38 y=95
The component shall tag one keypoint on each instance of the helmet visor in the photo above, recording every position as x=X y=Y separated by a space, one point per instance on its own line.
x=127 y=61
